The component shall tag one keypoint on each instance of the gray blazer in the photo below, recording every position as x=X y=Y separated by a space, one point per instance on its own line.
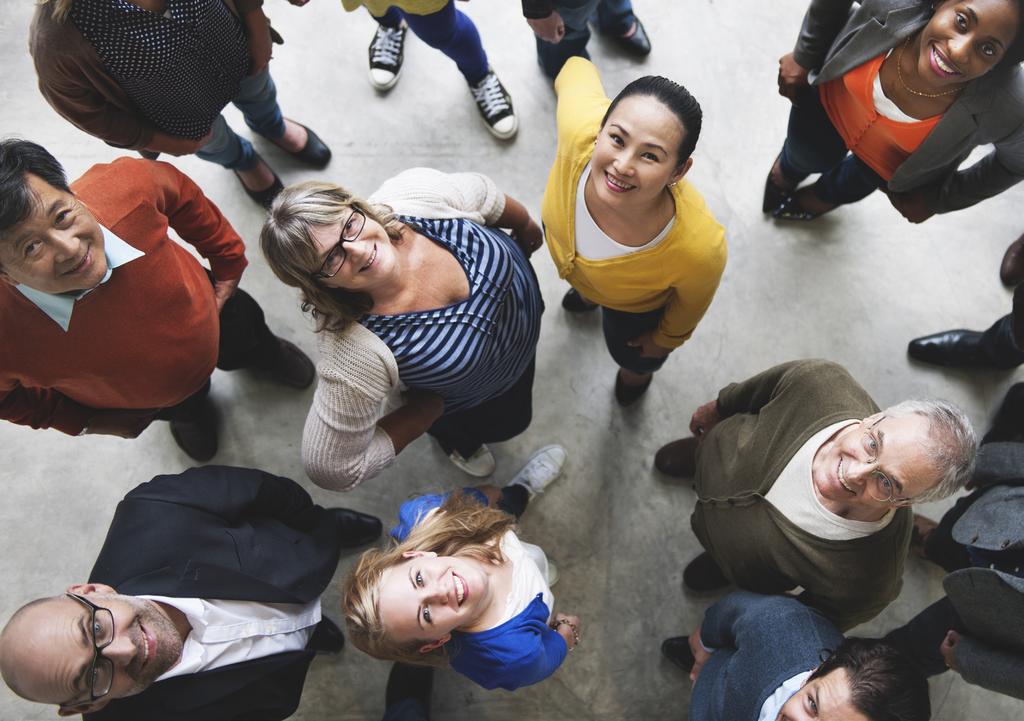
x=989 y=602
x=834 y=40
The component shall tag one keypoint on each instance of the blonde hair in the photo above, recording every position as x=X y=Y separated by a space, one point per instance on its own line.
x=461 y=527
x=61 y=8
x=288 y=246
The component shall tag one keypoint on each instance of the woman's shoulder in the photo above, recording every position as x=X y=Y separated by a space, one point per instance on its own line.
x=695 y=229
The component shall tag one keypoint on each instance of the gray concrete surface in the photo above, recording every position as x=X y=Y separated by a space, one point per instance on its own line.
x=853 y=287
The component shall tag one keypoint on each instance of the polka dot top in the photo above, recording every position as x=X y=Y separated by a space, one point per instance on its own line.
x=181 y=68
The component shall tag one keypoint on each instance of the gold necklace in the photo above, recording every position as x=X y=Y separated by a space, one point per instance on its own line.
x=899 y=74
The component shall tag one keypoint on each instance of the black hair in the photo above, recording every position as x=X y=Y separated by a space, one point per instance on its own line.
x=884 y=684
x=674 y=97
x=17 y=158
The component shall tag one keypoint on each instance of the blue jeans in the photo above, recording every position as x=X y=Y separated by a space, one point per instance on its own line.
x=450 y=31
x=257 y=99
x=813 y=145
x=613 y=17
x=408 y=709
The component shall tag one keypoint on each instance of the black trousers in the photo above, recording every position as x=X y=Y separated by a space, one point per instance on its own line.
x=245 y=342
x=499 y=419
x=998 y=346
x=921 y=637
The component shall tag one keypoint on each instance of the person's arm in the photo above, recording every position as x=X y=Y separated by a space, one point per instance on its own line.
x=582 y=100
x=991 y=667
x=43 y=408
x=525 y=230
x=528 y=654
x=430 y=193
x=537 y=9
x=410 y=421
x=1000 y=169
x=257 y=34
x=822 y=23
x=751 y=395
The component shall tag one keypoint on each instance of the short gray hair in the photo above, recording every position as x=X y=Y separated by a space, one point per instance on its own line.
x=953 y=443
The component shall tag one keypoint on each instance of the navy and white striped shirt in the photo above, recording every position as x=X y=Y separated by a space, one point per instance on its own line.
x=474 y=350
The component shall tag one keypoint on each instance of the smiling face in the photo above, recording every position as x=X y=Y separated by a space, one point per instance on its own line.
x=58 y=248
x=370 y=259
x=865 y=464
x=428 y=596
x=822 y=699
x=965 y=39
x=48 y=649
x=636 y=153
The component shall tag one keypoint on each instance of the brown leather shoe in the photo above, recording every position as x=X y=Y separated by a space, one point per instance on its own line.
x=1011 y=270
x=678 y=458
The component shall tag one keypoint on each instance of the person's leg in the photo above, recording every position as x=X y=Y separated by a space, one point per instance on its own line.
x=615 y=17
x=194 y=424
x=921 y=637
x=635 y=370
x=998 y=345
x=812 y=144
x=226 y=148
x=848 y=182
x=939 y=545
x=454 y=34
x=257 y=99
x=408 y=693
x=575 y=16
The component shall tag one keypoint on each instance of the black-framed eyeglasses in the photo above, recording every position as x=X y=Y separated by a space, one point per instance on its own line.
x=336 y=256
x=100 y=676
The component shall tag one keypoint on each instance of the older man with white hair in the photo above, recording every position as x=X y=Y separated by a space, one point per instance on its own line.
x=803 y=486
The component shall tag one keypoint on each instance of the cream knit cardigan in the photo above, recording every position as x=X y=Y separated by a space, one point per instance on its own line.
x=358 y=380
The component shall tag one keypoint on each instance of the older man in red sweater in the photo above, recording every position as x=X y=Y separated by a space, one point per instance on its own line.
x=108 y=324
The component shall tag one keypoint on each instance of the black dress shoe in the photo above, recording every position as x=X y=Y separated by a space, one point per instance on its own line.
x=197 y=435
x=678 y=458
x=410 y=682
x=573 y=302
x=357 y=529
x=315 y=152
x=327 y=638
x=704 y=574
x=774 y=195
x=677 y=650
x=626 y=394
x=638 y=44
x=292 y=367
x=266 y=196
x=952 y=348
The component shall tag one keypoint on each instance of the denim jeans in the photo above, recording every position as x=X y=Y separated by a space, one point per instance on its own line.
x=257 y=99
x=613 y=17
x=814 y=146
x=450 y=31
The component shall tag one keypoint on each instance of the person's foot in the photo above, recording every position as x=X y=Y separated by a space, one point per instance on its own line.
x=292 y=367
x=803 y=205
x=919 y=535
x=197 y=435
x=495 y=106
x=573 y=302
x=260 y=183
x=776 y=188
x=481 y=464
x=357 y=529
x=677 y=650
x=704 y=574
x=951 y=348
x=543 y=469
x=327 y=638
x=1011 y=270
x=387 y=50
x=630 y=387
x=634 y=41
x=1008 y=425
x=406 y=681
x=678 y=458
x=302 y=143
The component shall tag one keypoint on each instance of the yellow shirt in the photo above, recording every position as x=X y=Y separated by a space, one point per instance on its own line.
x=680 y=273
x=377 y=8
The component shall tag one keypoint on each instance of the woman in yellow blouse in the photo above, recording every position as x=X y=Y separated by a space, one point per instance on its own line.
x=623 y=226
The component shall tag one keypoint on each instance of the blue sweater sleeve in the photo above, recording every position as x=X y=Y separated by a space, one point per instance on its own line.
x=412 y=511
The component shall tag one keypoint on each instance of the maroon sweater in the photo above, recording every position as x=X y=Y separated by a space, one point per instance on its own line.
x=145 y=339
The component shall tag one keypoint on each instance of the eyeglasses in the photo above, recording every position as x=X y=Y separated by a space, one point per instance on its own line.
x=888 y=487
x=101 y=628
x=336 y=257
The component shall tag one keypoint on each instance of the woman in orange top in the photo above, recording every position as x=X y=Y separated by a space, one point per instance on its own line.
x=909 y=90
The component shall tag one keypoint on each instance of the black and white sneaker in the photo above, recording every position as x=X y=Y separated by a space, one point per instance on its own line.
x=386 y=52
x=495 y=106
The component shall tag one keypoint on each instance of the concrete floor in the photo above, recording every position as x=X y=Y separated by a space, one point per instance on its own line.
x=853 y=287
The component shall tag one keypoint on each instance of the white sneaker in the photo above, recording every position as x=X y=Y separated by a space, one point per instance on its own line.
x=495 y=106
x=552 y=574
x=481 y=464
x=541 y=470
x=386 y=51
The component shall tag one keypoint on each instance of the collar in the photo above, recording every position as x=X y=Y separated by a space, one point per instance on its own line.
x=59 y=306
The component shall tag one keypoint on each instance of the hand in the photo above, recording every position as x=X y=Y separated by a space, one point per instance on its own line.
x=700 y=656
x=550 y=28
x=529 y=237
x=126 y=423
x=948 y=649
x=222 y=290
x=911 y=205
x=792 y=77
x=173 y=145
x=565 y=631
x=704 y=418
x=648 y=348
x=257 y=31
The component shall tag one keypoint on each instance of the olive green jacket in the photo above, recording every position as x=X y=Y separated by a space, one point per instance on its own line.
x=765 y=421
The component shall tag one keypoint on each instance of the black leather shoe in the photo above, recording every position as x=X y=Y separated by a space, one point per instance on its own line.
x=677 y=650
x=357 y=529
x=292 y=367
x=410 y=682
x=704 y=574
x=638 y=44
x=197 y=436
x=678 y=458
x=627 y=395
x=315 y=152
x=952 y=348
x=266 y=196
x=327 y=638
x=573 y=302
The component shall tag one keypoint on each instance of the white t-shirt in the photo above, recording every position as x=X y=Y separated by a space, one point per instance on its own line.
x=529 y=576
x=886 y=107
x=592 y=242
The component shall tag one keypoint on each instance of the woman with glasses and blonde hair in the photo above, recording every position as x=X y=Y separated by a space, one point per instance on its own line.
x=457 y=587
x=415 y=290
